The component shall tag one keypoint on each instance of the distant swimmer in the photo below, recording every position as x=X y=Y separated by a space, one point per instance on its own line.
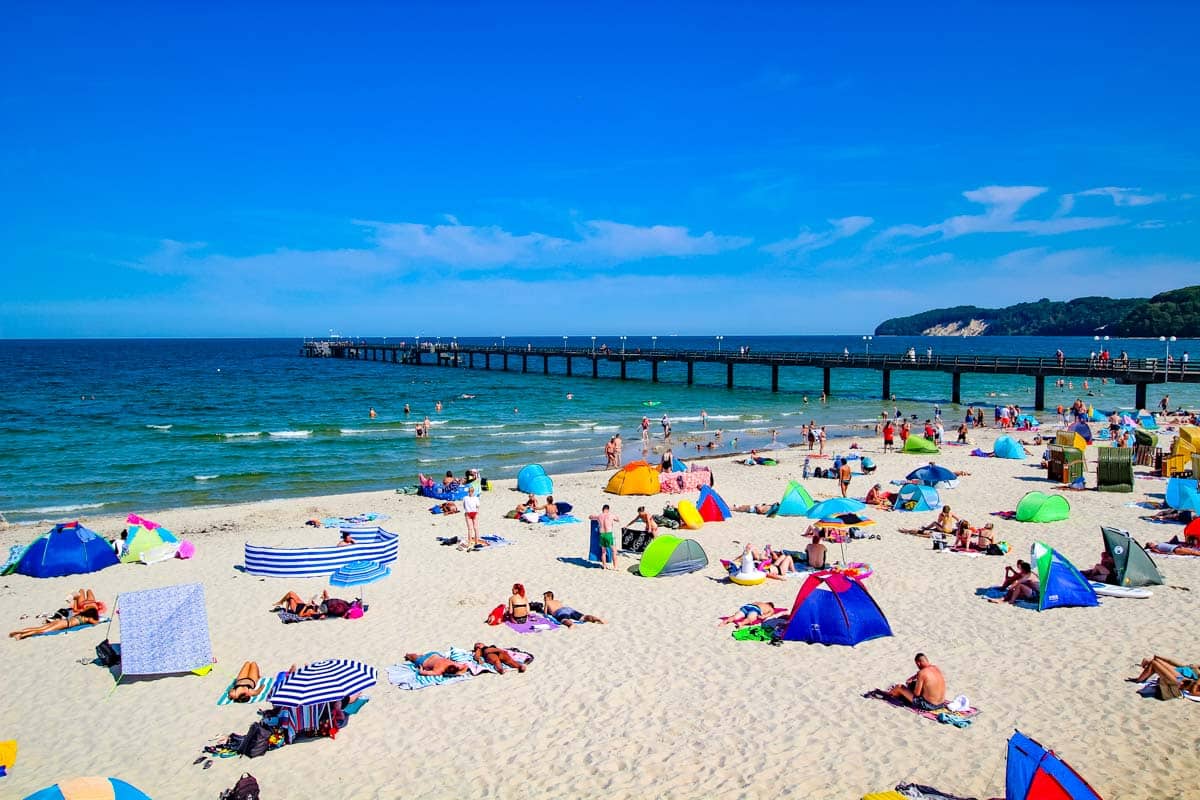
x=437 y=406
x=516 y=411
x=407 y=410
x=420 y=432
x=464 y=397
x=570 y=396
x=372 y=412
x=703 y=419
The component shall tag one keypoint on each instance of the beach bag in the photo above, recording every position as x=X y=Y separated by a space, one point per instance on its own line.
x=485 y=484
x=107 y=655
x=245 y=789
x=997 y=549
x=497 y=615
x=356 y=610
x=256 y=742
x=671 y=512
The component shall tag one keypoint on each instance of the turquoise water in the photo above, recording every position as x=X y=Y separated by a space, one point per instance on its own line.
x=97 y=426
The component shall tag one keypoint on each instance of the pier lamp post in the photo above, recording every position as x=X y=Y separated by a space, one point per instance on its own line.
x=564 y=344
x=1167 y=362
x=593 y=345
x=653 y=343
x=623 y=338
x=719 y=338
x=418 y=338
x=455 y=345
x=867 y=344
x=502 y=338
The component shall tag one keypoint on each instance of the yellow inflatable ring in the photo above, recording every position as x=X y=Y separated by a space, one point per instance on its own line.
x=748 y=578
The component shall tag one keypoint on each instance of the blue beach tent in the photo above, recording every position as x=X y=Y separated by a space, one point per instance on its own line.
x=1183 y=494
x=917 y=497
x=795 y=502
x=834 y=608
x=68 y=549
x=933 y=475
x=1035 y=773
x=533 y=479
x=1060 y=584
x=1008 y=447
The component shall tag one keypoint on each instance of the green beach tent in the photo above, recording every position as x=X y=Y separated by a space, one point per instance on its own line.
x=920 y=445
x=796 y=501
x=669 y=555
x=1134 y=567
x=1041 y=507
x=143 y=538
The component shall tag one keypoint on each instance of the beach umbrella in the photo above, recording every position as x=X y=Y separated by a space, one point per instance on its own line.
x=323 y=682
x=842 y=523
x=91 y=788
x=931 y=475
x=828 y=509
x=359 y=573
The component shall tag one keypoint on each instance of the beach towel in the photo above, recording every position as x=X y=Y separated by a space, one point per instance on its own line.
x=103 y=620
x=959 y=719
x=359 y=519
x=1150 y=689
x=535 y=623
x=287 y=617
x=260 y=692
x=495 y=541
x=1005 y=514
x=566 y=519
x=350 y=709
x=1144 y=504
x=408 y=677
x=14 y=555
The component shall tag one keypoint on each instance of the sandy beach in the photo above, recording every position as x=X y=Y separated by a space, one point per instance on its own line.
x=659 y=702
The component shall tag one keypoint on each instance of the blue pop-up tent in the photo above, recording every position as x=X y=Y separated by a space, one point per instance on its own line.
x=917 y=497
x=1035 y=773
x=835 y=608
x=68 y=549
x=1008 y=447
x=533 y=479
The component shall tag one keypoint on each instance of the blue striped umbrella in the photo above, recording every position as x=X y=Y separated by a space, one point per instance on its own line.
x=323 y=682
x=359 y=573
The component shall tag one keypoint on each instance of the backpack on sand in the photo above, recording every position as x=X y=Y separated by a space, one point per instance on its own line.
x=245 y=789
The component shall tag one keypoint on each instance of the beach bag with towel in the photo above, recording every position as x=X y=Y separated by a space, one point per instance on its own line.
x=255 y=743
x=245 y=789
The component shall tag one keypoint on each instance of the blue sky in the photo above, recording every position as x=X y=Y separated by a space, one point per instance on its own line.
x=284 y=169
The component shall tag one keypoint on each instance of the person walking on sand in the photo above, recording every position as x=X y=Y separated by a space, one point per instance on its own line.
x=610 y=450
x=470 y=505
x=608 y=550
x=821 y=441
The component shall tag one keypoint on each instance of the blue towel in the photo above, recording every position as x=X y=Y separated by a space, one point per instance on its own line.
x=76 y=628
x=563 y=520
x=407 y=676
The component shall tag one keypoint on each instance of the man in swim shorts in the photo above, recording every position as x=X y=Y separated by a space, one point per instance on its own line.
x=608 y=550
x=926 y=690
x=844 y=477
x=565 y=615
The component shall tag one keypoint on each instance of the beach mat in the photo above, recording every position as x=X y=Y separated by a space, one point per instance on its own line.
x=103 y=621
x=261 y=690
x=536 y=623
x=406 y=676
x=956 y=718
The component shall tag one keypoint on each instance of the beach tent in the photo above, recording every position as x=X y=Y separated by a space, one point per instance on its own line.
x=711 y=506
x=669 y=555
x=689 y=516
x=636 y=477
x=1041 y=507
x=1035 y=773
x=1147 y=421
x=1093 y=415
x=1060 y=584
x=532 y=479
x=921 y=445
x=1134 y=566
x=1183 y=494
x=68 y=549
x=90 y=788
x=796 y=501
x=164 y=631
x=933 y=475
x=917 y=497
x=1008 y=447
x=835 y=608
x=1026 y=421
x=143 y=536
x=1191 y=532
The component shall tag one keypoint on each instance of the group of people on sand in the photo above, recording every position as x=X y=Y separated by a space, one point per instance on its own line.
x=83 y=610
x=518 y=608
x=435 y=664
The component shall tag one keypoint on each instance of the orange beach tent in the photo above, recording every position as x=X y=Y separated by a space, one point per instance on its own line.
x=636 y=477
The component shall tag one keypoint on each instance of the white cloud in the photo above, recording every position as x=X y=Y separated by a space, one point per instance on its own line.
x=807 y=241
x=1001 y=206
x=1122 y=196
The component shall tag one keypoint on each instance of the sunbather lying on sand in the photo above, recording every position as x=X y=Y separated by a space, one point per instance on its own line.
x=781 y=564
x=752 y=614
x=563 y=614
x=294 y=604
x=89 y=616
x=1175 y=514
x=926 y=690
x=1173 y=677
x=759 y=508
x=432 y=663
x=1172 y=548
x=245 y=683
x=498 y=657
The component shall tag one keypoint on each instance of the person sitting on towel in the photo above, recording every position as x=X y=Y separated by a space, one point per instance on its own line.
x=1173 y=677
x=969 y=538
x=550 y=509
x=245 y=683
x=944 y=523
x=564 y=614
x=876 y=496
x=435 y=664
x=816 y=551
x=498 y=657
x=926 y=690
x=1102 y=572
x=752 y=614
x=89 y=616
x=517 y=608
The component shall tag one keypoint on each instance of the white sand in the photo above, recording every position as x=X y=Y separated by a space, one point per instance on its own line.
x=658 y=703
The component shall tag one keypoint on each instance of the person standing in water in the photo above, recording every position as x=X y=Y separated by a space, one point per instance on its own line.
x=372 y=412
x=407 y=410
x=703 y=419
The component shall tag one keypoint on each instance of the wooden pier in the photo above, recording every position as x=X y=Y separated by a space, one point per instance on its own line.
x=1141 y=372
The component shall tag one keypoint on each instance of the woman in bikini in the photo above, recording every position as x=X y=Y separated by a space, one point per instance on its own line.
x=1172 y=549
x=294 y=604
x=432 y=663
x=517 y=609
x=781 y=564
x=1174 y=677
x=245 y=683
x=498 y=657
x=969 y=538
x=89 y=616
x=1019 y=584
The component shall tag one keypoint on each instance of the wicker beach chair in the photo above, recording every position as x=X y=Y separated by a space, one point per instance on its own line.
x=1114 y=473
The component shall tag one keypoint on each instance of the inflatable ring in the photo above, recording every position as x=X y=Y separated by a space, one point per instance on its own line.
x=857 y=570
x=748 y=578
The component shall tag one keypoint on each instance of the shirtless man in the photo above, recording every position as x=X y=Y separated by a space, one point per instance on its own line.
x=925 y=690
x=563 y=614
x=844 y=477
x=816 y=551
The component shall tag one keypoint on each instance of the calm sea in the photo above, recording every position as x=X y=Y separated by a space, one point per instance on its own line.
x=114 y=425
